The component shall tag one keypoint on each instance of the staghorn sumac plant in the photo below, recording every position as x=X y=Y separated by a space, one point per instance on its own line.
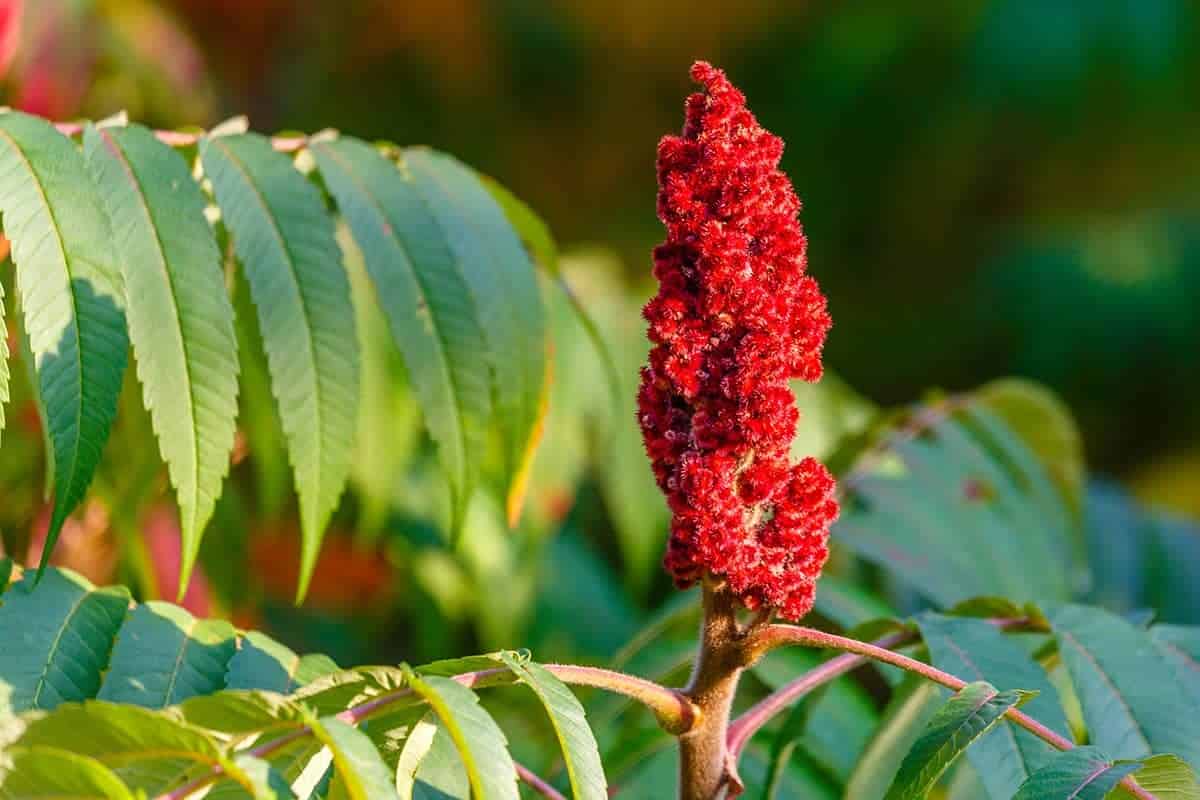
x=123 y=239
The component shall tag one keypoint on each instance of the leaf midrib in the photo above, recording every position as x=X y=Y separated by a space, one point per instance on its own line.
x=952 y=738
x=187 y=640
x=446 y=715
x=1089 y=780
x=43 y=679
x=1104 y=677
x=119 y=154
x=308 y=339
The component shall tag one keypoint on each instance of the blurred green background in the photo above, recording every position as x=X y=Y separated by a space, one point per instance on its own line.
x=991 y=187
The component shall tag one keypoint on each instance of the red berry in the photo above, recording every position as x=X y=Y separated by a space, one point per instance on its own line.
x=734 y=320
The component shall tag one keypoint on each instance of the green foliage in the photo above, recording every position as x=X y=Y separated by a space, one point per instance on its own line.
x=579 y=747
x=298 y=725
x=180 y=317
x=284 y=239
x=480 y=742
x=164 y=655
x=53 y=773
x=967 y=716
x=1134 y=703
x=912 y=706
x=360 y=773
x=973 y=649
x=505 y=293
x=426 y=299
x=181 y=725
x=72 y=298
x=3 y=364
x=293 y=268
x=1084 y=773
x=127 y=238
x=954 y=500
x=66 y=630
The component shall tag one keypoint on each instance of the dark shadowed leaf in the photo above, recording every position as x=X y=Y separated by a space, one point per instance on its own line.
x=263 y=663
x=59 y=637
x=164 y=655
x=72 y=298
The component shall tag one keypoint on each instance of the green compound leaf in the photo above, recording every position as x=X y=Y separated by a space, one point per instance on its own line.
x=263 y=663
x=164 y=655
x=284 y=239
x=180 y=316
x=71 y=298
x=956 y=500
x=421 y=287
x=504 y=289
x=150 y=751
x=1082 y=773
x=65 y=629
x=967 y=716
x=974 y=649
x=54 y=774
x=480 y=742
x=580 y=751
x=359 y=771
x=1133 y=700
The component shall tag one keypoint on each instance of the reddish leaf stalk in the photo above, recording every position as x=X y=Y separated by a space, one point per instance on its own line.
x=538 y=784
x=744 y=727
x=674 y=711
x=772 y=636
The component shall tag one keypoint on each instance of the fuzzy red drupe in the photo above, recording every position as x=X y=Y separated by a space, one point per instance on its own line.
x=734 y=320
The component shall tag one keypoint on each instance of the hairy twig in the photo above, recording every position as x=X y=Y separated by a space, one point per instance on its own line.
x=706 y=771
x=749 y=723
x=771 y=636
x=674 y=711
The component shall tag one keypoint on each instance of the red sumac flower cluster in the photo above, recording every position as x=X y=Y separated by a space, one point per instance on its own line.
x=734 y=320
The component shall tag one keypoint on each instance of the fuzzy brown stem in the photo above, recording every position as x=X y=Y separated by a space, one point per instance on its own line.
x=706 y=772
